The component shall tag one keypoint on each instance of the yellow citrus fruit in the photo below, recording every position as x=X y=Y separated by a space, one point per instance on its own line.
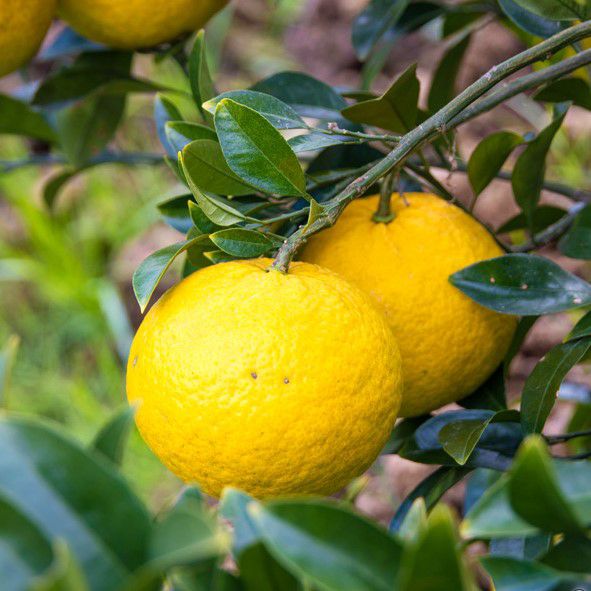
x=133 y=24
x=269 y=382
x=449 y=344
x=23 y=26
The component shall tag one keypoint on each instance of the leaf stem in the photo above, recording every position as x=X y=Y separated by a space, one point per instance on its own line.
x=334 y=129
x=433 y=126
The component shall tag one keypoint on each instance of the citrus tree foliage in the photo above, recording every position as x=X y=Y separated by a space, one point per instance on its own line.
x=259 y=170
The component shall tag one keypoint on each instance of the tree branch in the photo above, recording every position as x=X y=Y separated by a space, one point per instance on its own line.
x=436 y=124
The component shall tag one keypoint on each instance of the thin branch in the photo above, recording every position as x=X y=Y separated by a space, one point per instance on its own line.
x=564 y=437
x=435 y=125
x=334 y=129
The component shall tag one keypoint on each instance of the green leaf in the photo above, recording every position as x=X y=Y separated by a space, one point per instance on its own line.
x=176 y=213
x=415 y=521
x=199 y=76
x=510 y=574
x=276 y=112
x=522 y=284
x=530 y=169
x=316 y=212
x=542 y=217
x=396 y=110
x=25 y=553
x=438 y=545
x=310 y=142
x=203 y=224
x=528 y=21
x=63 y=575
x=460 y=438
x=493 y=517
x=165 y=111
x=572 y=553
x=110 y=441
x=259 y=571
x=69 y=494
x=431 y=489
x=257 y=152
x=488 y=158
x=576 y=243
x=328 y=545
x=205 y=167
x=372 y=24
x=56 y=182
x=181 y=133
x=443 y=86
x=18 y=118
x=242 y=243
x=234 y=508
x=86 y=127
x=540 y=388
x=558 y=10
x=308 y=96
x=403 y=431
x=575 y=90
x=533 y=477
x=148 y=275
x=582 y=328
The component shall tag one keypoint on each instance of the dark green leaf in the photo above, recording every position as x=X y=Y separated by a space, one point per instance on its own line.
x=395 y=110
x=164 y=111
x=63 y=575
x=318 y=141
x=72 y=495
x=19 y=118
x=403 y=430
x=85 y=128
x=575 y=90
x=415 y=521
x=533 y=477
x=460 y=438
x=523 y=326
x=438 y=545
x=522 y=284
x=488 y=158
x=431 y=489
x=256 y=151
x=181 y=133
x=558 y=10
x=276 y=112
x=528 y=21
x=308 y=96
x=530 y=169
x=218 y=256
x=576 y=243
x=307 y=537
x=582 y=328
x=539 y=391
x=489 y=395
x=242 y=243
x=152 y=269
x=175 y=212
x=201 y=221
x=543 y=216
x=571 y=554
x=25 y=553
x=110 y=441
x=375 y=20
x=528 y=548
x=201 y=83
x=443 y=86
x=54 y=185
x=510 y=574
x=259 y=571
x=205 y=167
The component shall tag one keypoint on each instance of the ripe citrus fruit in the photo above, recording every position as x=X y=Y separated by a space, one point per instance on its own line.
x=449 y=344
x=269 y=382
x=23 y=26
x=134 y=24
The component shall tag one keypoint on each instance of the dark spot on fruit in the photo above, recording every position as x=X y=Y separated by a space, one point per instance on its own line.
x=254 y=375
x=286 y=380
x=134 y=362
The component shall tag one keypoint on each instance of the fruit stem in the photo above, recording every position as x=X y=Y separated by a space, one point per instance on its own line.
x=384 y=214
